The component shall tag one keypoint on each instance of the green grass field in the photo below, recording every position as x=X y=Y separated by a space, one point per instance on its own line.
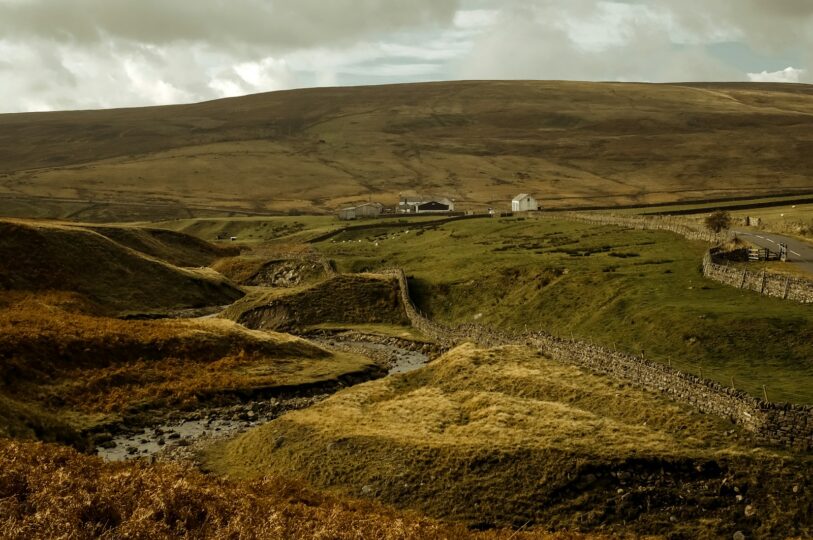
x=777 y=203
x=795 y=220
x=638 y=291
x=279 y=229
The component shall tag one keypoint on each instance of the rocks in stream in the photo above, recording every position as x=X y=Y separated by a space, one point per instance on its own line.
x=177 y=435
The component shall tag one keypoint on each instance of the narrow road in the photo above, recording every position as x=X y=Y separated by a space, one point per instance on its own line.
x=799 y=251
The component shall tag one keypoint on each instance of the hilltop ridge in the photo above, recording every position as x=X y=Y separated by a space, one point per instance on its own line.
x=480 y=142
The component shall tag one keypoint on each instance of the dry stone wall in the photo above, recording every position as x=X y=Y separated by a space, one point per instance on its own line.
x=767 y=283
x=685 y=227
x=778 y=424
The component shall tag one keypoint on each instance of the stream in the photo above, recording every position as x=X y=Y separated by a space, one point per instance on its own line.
x=181 y=434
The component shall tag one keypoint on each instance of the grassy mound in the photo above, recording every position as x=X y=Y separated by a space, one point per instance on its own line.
x=41 y=257
x=263 y=272
x=60 y=369
x=351 y=299
x=507 y=437
x=173 y=247
x=52 y=492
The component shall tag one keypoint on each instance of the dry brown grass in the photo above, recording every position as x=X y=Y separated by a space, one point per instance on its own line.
x=480 y=142
x=55 y=358
x=44 y=256
x=507 y=437
x=238 y=269
x=173 y=247
x=53 y=492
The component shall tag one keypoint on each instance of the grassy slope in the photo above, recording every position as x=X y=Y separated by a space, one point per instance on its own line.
x=509 y=437
x=52 y=492
x=173 y=247
x=795 y=220
x=641 y=291
x=480 y=142
x=254 y=231
x=355 y=299
x=36 y=256
x=61 y=369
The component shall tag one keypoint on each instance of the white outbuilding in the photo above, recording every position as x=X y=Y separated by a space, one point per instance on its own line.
x=524 y=203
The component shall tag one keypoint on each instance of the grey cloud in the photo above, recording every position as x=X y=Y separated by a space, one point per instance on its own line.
x=532 y=41
x=764 y=24
x=282 y=23
x=102 y=53
x=664 y=40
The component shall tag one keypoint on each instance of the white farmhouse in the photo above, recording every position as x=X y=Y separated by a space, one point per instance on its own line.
x=524 y=203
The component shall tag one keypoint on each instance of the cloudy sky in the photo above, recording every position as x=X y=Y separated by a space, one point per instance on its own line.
x=72 y=54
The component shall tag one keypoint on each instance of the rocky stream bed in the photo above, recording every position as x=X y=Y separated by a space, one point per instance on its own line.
x=178 y=435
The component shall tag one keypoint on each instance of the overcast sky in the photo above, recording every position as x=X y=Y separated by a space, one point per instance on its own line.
x=71 y=54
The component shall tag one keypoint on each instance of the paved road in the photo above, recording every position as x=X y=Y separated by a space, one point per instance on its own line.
x=799 y=251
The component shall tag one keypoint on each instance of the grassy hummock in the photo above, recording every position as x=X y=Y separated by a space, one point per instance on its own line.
x=506 y=437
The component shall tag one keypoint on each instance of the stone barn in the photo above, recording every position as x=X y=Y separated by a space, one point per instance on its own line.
x=366 y=210
x=346 y=214
x=524 y=203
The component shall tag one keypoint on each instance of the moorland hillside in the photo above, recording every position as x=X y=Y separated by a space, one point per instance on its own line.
x=101 y=265
x=570 y=143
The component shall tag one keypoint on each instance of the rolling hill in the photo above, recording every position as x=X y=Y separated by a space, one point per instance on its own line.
x=118 y=269
x=570 y=143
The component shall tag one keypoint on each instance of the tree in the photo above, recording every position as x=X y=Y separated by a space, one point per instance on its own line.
x=718 y=221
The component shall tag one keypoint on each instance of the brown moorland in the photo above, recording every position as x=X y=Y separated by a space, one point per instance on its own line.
x=53 y=492
x=116 y=268
x=63 y=371
x=481 y=142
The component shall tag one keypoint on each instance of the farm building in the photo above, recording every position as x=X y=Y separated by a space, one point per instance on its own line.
x=365 y=210
x=372 y=209
x=524 y=203
x=425 y=205
x=347 y=214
